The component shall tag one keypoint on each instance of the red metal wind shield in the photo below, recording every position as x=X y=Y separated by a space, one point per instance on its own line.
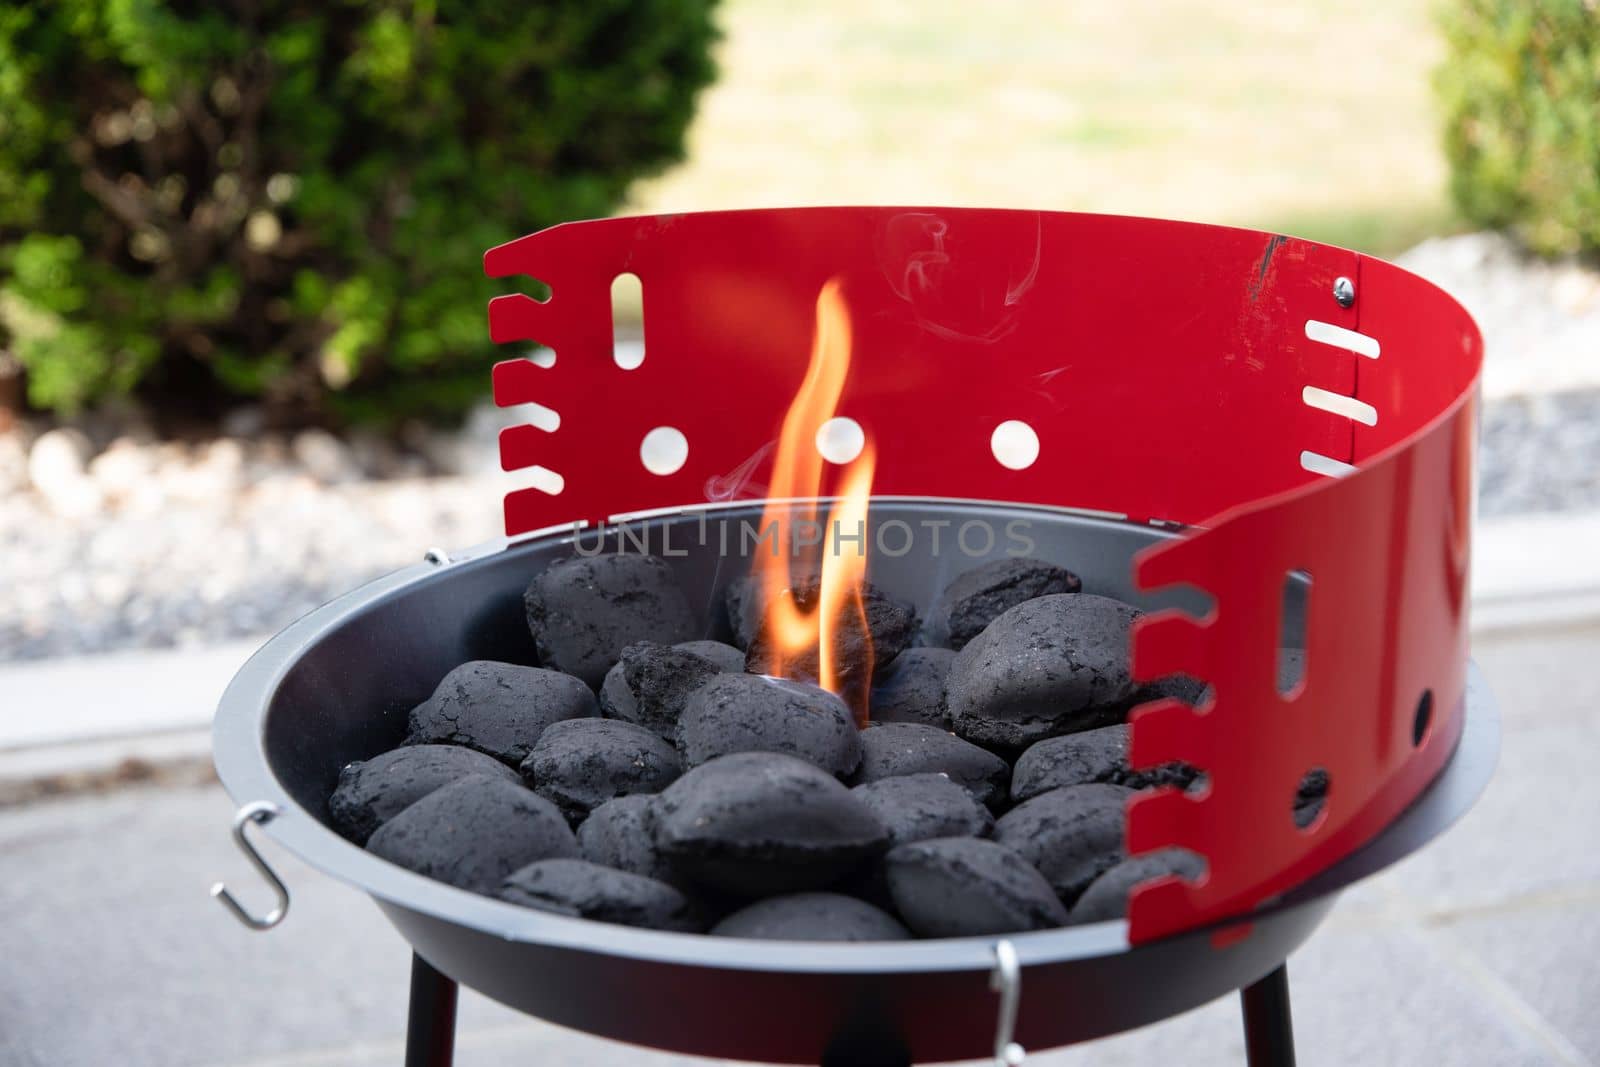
x=1170 y=371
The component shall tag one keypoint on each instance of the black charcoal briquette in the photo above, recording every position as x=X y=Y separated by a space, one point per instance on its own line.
x=812 y=917
x=918 y=807
x=621 y=833
x=1099 y=755
x=582 y=763
x=761 y=823
x=858 y=653
x=1179 y=687
x=583 y=612
x=892 y=749
x=589 y=891
x=967 y=887
x=912 y=688
x=744 y=600
x=498 y=708
x=650 y=683
x=748 y=713
x=1071 y=835
x=1049 y=666
x=473 y=832
x=730 y=659
x=983 y=594
x=617 y=701
x=1107 y=896
x=738 y=603
x=370 y=792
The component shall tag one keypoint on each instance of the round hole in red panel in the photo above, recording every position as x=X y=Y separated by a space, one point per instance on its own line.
x=1311 y=799
x=1423 y=718
x=664 y=450
x=1015 y=445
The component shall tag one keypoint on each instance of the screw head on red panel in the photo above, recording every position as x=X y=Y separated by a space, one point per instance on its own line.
x=1344 y=291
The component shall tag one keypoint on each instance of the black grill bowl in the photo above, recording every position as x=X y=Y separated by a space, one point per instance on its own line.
x=337 y=686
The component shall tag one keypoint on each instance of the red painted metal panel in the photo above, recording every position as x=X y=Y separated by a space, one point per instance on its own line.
x=1161 y=365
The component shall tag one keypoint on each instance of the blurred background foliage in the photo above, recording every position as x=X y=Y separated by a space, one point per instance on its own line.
x=1521 y=95
x=285 y=203
x=1289 y=114
x=288 y=201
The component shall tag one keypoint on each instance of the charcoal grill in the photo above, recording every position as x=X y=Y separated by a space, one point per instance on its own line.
x=1262 y=440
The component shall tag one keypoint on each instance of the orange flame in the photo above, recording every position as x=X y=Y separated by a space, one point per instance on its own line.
x=840 y=602
x=798 y=632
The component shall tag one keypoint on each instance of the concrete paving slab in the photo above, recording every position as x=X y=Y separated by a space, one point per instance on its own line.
x=1528 y=569
x=111 y=951
x=106 y=913
x=51 y=701
x=1547 y=952
x=515 y=1045
x=1384 y=995
x=180 y=757
x=1532 y=833
x=1543 y=675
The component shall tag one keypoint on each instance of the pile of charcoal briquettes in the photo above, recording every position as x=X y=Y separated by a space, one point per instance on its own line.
x=644 y=777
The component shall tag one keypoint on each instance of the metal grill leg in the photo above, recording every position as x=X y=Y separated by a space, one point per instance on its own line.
x=431 y=1025
x=1268 y=1028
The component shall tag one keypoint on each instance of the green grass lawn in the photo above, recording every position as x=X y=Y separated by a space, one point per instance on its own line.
x=1293 y=115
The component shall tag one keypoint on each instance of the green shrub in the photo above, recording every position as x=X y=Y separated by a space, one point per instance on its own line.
x=204 y=201
x=1521 y=95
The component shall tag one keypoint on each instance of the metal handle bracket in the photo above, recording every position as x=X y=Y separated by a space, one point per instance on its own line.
x=1006 y=979
x=261 y=812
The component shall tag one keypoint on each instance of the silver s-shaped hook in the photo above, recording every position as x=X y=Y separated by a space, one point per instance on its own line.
x=1006 y=979
x=261 y=813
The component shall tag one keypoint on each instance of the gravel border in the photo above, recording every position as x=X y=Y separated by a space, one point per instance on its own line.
x=1540 y=453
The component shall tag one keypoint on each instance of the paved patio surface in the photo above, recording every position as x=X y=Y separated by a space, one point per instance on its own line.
x=1481 y=950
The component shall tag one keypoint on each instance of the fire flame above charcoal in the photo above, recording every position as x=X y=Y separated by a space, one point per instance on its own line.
x=803 y=631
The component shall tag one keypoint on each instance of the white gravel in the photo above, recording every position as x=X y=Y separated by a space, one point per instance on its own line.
x=193 y=572
x=154 y=545
x=111 y=541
